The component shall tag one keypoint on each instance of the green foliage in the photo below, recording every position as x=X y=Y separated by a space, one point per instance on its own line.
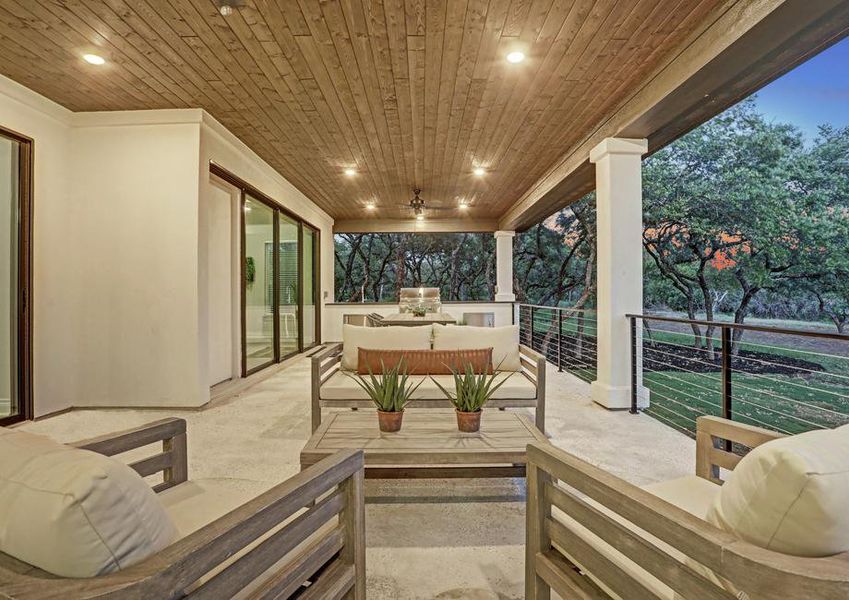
x=374 y=266
x=740 y=206
x=390 y=391
x=250 y=271
x=471 y=391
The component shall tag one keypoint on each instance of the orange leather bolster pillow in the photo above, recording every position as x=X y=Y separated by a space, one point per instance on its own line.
x=424 y=362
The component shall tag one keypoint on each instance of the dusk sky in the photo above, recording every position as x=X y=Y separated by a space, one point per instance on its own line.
x=814 y=93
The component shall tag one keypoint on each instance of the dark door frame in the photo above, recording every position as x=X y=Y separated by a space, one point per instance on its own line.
x=24 y=268
x=246 y=189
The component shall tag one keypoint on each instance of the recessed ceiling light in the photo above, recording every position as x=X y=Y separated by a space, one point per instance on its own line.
x=350 y=172
x=94 y=59
x=370 y=206
x=479 y=171
x=516 y=57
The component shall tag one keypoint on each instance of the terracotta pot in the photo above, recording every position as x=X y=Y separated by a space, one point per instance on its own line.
x=389 y=421
x=468 y=422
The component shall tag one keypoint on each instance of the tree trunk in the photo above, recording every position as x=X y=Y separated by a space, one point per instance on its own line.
x=749 y=293
x=708 y=301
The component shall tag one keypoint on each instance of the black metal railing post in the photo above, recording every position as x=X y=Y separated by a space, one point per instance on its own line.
x=533 y=314
x=634 y=410
x=559 y=340
x=726 y=379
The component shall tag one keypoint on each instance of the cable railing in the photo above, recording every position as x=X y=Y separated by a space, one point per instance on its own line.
x=565 y=336
x=787 y=380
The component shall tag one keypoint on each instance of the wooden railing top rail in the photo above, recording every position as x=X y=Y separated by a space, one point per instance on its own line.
x=761 y=328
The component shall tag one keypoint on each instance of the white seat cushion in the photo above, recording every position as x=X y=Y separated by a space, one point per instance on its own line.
x=790 y=495
x=75 y=513
x=194 y=504
x=341 y=386
x=691 y=493
x=355 y=337
x=504 y=342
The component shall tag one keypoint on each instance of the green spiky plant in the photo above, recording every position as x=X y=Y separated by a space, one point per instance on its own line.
x=471 y=391
x=390 y=391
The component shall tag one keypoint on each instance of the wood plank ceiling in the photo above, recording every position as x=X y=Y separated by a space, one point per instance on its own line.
x=410 y=93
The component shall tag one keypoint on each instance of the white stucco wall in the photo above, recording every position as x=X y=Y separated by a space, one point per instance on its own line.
x=134 y=184
x=55 y=270
x=120 y=249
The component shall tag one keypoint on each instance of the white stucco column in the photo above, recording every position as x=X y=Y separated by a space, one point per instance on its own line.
x=619 y=213
x=504 y=266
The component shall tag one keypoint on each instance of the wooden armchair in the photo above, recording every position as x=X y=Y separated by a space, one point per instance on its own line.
x=327 y=364
x=304 y=536
x=591 y=534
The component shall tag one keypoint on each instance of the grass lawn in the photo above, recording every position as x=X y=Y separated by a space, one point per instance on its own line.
x=815 y=396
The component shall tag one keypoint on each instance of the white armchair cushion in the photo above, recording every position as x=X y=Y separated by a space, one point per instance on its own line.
x=503 y=340
x=355 y=337
x=790 y=495
x=75 y=513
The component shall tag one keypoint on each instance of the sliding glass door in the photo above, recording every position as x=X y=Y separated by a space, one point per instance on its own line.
x=279 y=287
x=259 y=272
x=290 y=314
x=308 y=277
x=15 y=385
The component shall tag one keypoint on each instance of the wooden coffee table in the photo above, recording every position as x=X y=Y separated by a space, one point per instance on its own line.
x=428 y=445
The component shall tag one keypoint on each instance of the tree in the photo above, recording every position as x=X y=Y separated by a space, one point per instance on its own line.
x=554 y=262
x=733 y=206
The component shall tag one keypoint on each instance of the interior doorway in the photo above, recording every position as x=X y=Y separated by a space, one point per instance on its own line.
x=15 y=277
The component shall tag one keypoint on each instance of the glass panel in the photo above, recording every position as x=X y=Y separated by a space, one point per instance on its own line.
x=259 y=273
x=308 y=279
x=288 y=285
x=9 y=154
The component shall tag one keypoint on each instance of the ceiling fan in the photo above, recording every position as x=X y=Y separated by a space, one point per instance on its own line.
x=417 y=203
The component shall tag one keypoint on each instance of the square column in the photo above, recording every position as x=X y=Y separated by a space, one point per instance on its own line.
x=619 y=222
x=504 y=266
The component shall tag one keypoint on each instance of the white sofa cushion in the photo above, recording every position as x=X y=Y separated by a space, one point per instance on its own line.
x=790 y=495
x=355 y=337
x=199 y=502
x=75 y=513
x=691 y=493
x=341 y=386
x=503 y=340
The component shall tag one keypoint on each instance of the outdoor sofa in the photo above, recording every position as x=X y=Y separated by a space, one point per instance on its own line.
x=771 y=525
x=97 y=530
x=334 y=367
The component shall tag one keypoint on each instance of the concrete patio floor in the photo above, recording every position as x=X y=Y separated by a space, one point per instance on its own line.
x=426 y=538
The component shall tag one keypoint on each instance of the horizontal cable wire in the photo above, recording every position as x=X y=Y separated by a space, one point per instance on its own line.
x=677 y=391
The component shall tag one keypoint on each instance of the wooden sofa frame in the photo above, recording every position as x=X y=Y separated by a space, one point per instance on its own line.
x=328 y=361
x=762 y=574
x=253 y=545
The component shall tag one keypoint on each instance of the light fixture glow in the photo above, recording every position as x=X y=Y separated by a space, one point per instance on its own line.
x=370 y=206
x=350 y=172
x=419 y=217
x=94 y=59
x=463 y=205
x=479 y=171
x=516 y=57
x=247 y=208
x=226 y=10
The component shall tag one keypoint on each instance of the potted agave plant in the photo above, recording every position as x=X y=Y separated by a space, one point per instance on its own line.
x=471 y=392
x=391 y=392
